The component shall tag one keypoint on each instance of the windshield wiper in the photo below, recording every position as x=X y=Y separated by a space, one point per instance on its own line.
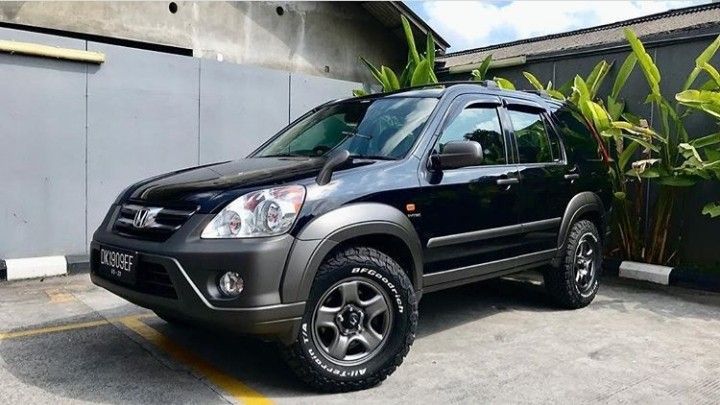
x=285 y=155
x=373 y=157
x=355 y=133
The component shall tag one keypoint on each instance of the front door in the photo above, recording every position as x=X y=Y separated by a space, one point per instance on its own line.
x=469 y=215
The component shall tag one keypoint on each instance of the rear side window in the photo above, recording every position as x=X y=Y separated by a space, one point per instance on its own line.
x=532 y=138
x=579 y=142
x=479 y=123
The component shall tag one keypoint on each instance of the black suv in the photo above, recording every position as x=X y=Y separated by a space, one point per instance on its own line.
x=326 y=236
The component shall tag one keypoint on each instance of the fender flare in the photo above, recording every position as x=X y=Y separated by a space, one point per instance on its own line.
x=581 y=203
x=327 y=231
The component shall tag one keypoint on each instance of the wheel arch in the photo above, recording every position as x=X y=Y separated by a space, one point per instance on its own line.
x=585 y=205
x=377 y=225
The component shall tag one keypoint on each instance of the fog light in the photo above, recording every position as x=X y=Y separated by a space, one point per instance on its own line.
x=231 y=284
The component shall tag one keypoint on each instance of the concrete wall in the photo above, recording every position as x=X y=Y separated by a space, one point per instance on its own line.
x=72 y=135
x=316 y=38
x=700 y=237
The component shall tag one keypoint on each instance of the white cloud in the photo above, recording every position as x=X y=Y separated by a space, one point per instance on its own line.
x=468 y=24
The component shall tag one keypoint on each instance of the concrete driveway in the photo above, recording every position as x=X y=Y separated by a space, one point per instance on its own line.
x=63 y=340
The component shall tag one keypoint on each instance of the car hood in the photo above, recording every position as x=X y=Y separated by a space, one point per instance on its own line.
x=199 y=184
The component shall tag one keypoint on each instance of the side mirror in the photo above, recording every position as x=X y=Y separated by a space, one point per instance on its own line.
x=457 y=154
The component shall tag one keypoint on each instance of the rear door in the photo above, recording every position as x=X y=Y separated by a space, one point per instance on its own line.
x=545 y=177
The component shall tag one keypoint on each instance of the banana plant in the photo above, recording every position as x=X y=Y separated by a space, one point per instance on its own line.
x=481 y=73
x=679 y=162
x=702 y=155
x=419 y=68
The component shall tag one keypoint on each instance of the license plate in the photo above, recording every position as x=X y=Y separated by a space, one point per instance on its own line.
x=118 y=264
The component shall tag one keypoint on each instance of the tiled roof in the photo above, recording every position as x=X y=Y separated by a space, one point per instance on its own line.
x=669 y=22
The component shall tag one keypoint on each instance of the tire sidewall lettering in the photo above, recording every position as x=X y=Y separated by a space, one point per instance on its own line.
x=377 y=276
x=362 y=370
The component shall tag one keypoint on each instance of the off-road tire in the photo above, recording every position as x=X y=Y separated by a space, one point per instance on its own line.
x=560 y=282
x=304 y=356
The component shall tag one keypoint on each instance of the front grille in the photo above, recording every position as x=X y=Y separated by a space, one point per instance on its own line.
x=163 y=222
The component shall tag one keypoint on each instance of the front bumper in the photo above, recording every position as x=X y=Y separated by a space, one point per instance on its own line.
x=178 y=277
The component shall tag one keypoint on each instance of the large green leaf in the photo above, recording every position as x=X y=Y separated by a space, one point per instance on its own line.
x=581 y=89
x=622 y=75
x=707 y=140
x=708 y=101
x=504 y=83
x=597 y=76
x=647 y=65
x=615 y=108
x=689 y=152
x=627 y=154
x=375 y=71
x=712 y=209
x=533 y=81
x=704 y=58
x=410 y=38
x=598 y=116
x=406 y=74
x=359 y=93
x=712 y=155
x=422 y=74
x=390 y=78
x=430 y=50
x=714 y=74
x=556 y=94
x=481 y=72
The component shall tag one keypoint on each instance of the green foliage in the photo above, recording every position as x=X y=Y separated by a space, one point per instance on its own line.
x=641 y=154
x=481 y=72
x=712 y=209
x=504 y=83
x=708 y=101
x=418 y=68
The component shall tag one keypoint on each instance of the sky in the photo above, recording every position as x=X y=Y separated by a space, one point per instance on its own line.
x=473 y=24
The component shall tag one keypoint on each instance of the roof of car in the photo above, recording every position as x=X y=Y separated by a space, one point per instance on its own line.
x=437 y=90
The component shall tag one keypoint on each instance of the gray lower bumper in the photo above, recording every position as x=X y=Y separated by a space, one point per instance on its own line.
x=184 y=299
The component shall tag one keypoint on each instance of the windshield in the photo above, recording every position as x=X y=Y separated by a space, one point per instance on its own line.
x=380 y=129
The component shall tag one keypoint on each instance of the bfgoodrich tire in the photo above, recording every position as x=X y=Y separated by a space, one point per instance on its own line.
x=359 y=322
x=575 y=282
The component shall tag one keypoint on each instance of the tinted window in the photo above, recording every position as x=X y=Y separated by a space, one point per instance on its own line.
x=481 y=124
x=531 y=136
x=555 y=147
x=579 y=142
x=384 y=128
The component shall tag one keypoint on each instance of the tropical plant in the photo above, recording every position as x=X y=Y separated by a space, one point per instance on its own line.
x=481 y=72
x=666 y=158
x=419 y=68
x=707 y=100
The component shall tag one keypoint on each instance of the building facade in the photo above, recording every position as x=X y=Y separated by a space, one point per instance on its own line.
x=164 y=86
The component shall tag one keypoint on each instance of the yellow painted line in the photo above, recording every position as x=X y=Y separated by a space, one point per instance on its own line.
x=63 y=328
x=59 y=296
x=237 y=389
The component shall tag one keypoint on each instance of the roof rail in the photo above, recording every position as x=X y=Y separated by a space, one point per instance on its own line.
x=486 y=83
x=541 y=93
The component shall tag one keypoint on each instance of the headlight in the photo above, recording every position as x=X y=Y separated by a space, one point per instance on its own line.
x=266 y=212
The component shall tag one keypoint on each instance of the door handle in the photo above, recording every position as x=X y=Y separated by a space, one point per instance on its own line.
x=572 y=176
x=507 y=182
